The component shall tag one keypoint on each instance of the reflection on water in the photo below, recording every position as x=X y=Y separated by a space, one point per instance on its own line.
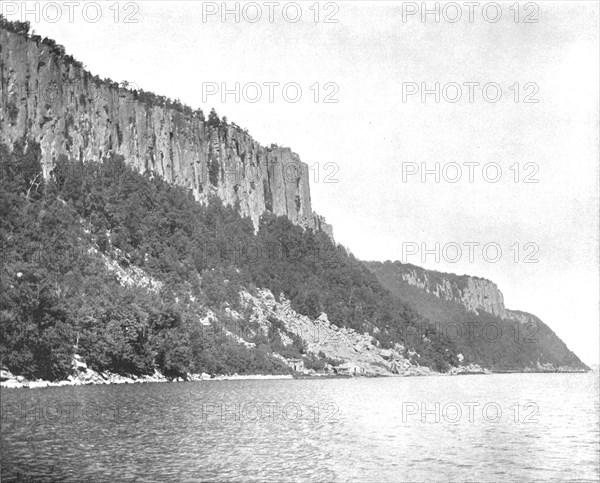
x=517 y=427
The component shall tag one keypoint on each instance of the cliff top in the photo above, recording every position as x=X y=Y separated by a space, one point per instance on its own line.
x=410 y=266
x=23 y=29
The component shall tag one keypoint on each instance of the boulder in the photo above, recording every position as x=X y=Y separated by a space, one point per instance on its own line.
x=5 y=375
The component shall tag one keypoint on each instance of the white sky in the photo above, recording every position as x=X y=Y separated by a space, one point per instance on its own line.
x=370 y=132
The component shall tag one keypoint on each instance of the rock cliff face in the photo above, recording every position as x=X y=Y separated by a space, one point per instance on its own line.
x=48 y=97
x=473 y=292
x=521 y=341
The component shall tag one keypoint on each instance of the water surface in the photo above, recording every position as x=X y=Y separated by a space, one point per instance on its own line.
x=513 y=427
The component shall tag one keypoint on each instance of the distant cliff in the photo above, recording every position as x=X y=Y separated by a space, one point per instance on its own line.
x=474 y=293
x=47 y=96
x=471 y=311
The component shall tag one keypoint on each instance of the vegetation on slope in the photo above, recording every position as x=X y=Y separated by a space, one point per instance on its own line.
x=498 y=344
x=57 y=295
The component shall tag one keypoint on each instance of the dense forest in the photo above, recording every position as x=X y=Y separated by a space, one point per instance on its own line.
x=57 y=296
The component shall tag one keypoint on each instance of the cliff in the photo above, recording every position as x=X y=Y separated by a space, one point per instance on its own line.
x=474 y=293
x=470 y=311
x=49 y=97
x=59 y=110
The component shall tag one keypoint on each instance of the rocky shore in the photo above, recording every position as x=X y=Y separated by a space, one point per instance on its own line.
x=18 y=382
x=358 y=354
x=83 y=375
x=470 y=369
x=87 y=376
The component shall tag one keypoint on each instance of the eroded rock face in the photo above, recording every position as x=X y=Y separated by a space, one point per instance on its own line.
x=69 y=112
x=359 y=353
x=473 y=292
x=522 y=317
x=528 y=344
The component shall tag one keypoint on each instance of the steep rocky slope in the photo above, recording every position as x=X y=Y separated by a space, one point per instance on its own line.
x=47 y=96
x=471 y=312
x=352 y=353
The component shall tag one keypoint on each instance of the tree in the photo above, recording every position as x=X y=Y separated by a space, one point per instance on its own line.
x=213 y=119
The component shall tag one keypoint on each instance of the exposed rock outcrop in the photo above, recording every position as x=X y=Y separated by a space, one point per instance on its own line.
x=473 y=292
x=56 y=102
x=464 y=302
x=359 y=354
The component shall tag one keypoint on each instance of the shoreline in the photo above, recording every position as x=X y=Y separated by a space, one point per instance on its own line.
x=109 y=379
x=18 y=382
x=92 y=378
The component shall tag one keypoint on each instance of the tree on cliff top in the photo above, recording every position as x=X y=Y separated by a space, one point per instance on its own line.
x=213 y=118
x=20 y=28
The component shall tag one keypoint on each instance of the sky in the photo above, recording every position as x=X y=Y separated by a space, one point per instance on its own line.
x=517 y=114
